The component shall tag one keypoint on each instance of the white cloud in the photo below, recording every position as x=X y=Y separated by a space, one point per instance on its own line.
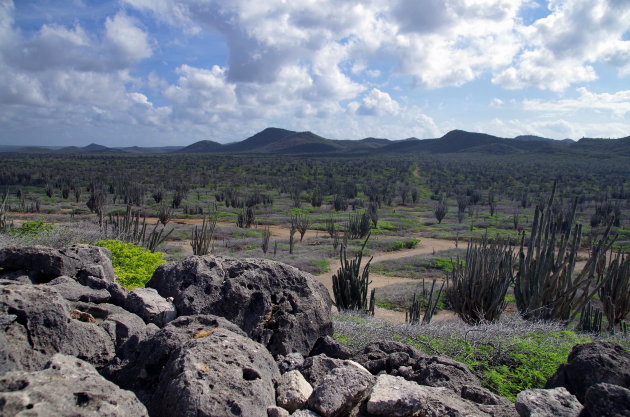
x=129 y=41
x=375 y=103
x=617 y=104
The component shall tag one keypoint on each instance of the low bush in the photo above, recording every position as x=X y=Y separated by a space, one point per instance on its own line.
x=403 y=244
x=133 y=264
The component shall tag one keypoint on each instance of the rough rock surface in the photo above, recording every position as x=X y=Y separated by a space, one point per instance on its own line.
x=277 y=412
x=443 y=372
x=330 y=347
x=293 y=391
x=151 y=306
x=557 y=402
x=316 y=368
x=200 y=364
x=396 y=397
x=592 y=363
x=341 y=390
x=290 y=362
x=72 y=290
x=66 y=387
x=388 y=356
x=305 y=413
x=607 y=400
x=38 y=323
x=275 y=304
x=50 y=263
x=220 y=374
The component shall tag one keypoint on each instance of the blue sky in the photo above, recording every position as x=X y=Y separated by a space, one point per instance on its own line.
x=169 y=72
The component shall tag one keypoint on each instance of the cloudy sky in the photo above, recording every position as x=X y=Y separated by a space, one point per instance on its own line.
x=171 y=72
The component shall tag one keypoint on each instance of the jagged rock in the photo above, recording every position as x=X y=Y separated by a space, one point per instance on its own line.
x=443 y=372
x=293 y=391
x=341 y=391
x=305 y=413
x=50 y=263
x=66 y=387
x=388 y=356
x=557 y=402
x=22 y=277
x=118 y=293
x=316 y=368
x=126 y=329
x=277 y=412
x=394 y=396
x=71 y=290
x=290 y=362
x=275 y=304
x=330 y=347
x=592 y=363
x=607 y=400
x=196 y=363
x=44 y=326
x=481 y=395
x=220 y=374
x=151 y=306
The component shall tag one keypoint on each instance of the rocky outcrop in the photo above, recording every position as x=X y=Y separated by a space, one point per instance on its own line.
x=275 y=304
x=556 y=402
x=151 y=306
x=38 y=323
x=293 y=391
x=607 y=400
x=67 y=386
x=590 y=364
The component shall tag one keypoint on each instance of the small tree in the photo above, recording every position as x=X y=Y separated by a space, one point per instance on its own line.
x=440 y=210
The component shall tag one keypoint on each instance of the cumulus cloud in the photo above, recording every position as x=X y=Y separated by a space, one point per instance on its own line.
x=375 y=103
x=617 y=104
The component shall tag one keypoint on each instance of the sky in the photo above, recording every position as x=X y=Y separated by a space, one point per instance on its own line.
x=170 y=72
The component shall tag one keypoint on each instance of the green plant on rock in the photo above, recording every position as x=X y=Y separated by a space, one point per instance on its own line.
x=477 y=288
x=134 y=265
x=350 y=283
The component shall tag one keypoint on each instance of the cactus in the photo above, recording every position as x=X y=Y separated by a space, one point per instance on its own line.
x=3 y=213
x=358 y=226
x=350 y=284
x=477 y=287
x=245 y=218
x=202 y=237
x=590 y=320
x=615 y=292
x=546 y=287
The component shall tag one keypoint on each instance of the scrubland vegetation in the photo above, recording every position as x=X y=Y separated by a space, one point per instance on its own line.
x=530 y=268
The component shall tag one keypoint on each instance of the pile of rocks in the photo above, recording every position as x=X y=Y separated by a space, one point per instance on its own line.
x=215 y=336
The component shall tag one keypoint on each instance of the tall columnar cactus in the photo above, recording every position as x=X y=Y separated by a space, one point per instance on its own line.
x=350 y=284
x=3 y=213
x=546 y=287
x=615 y=292
x=201 y=241
x=477 y=287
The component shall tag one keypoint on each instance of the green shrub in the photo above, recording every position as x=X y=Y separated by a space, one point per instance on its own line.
x=32 y=228
x=403 y=244
x=133 y=264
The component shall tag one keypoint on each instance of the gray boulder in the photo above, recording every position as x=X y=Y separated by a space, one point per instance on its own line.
x=21 y=277
x=330 y=347
x=591 y=363
x=438 y=371
x=221 y=374
x=275 y=304
x=305 y=413
x=50 y=263
x=151 y=306
x=293 y=391
x=394 y=396
x=290 y=362
x=38 y=323
x=341 y=391
x=71 y=290
x=607 y=400
x=66 y=387
x=277 y=412
x=316 y=368
x=557 y=402
x=388 y=356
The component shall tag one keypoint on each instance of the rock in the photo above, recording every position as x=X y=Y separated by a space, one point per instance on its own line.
x=341 y=391
x=118 y=293
x=481 y=395
x=126 y=329
x=305 y=413
x=388 y=356
x=277 y=412
x=141 y=371
x=396 y=397
x=293 y=391
x=66 y=387
x=71 y=290
x=607 y=400
x=443 y=372
x=44 y=326
x=151 y=306
x=591 y=363
x=557 y=402
x=50 y=263
x=22 y=277
x=220 y=374
x=290 y=362
x=330 y=347
x=275 y=304
x=316 y=368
